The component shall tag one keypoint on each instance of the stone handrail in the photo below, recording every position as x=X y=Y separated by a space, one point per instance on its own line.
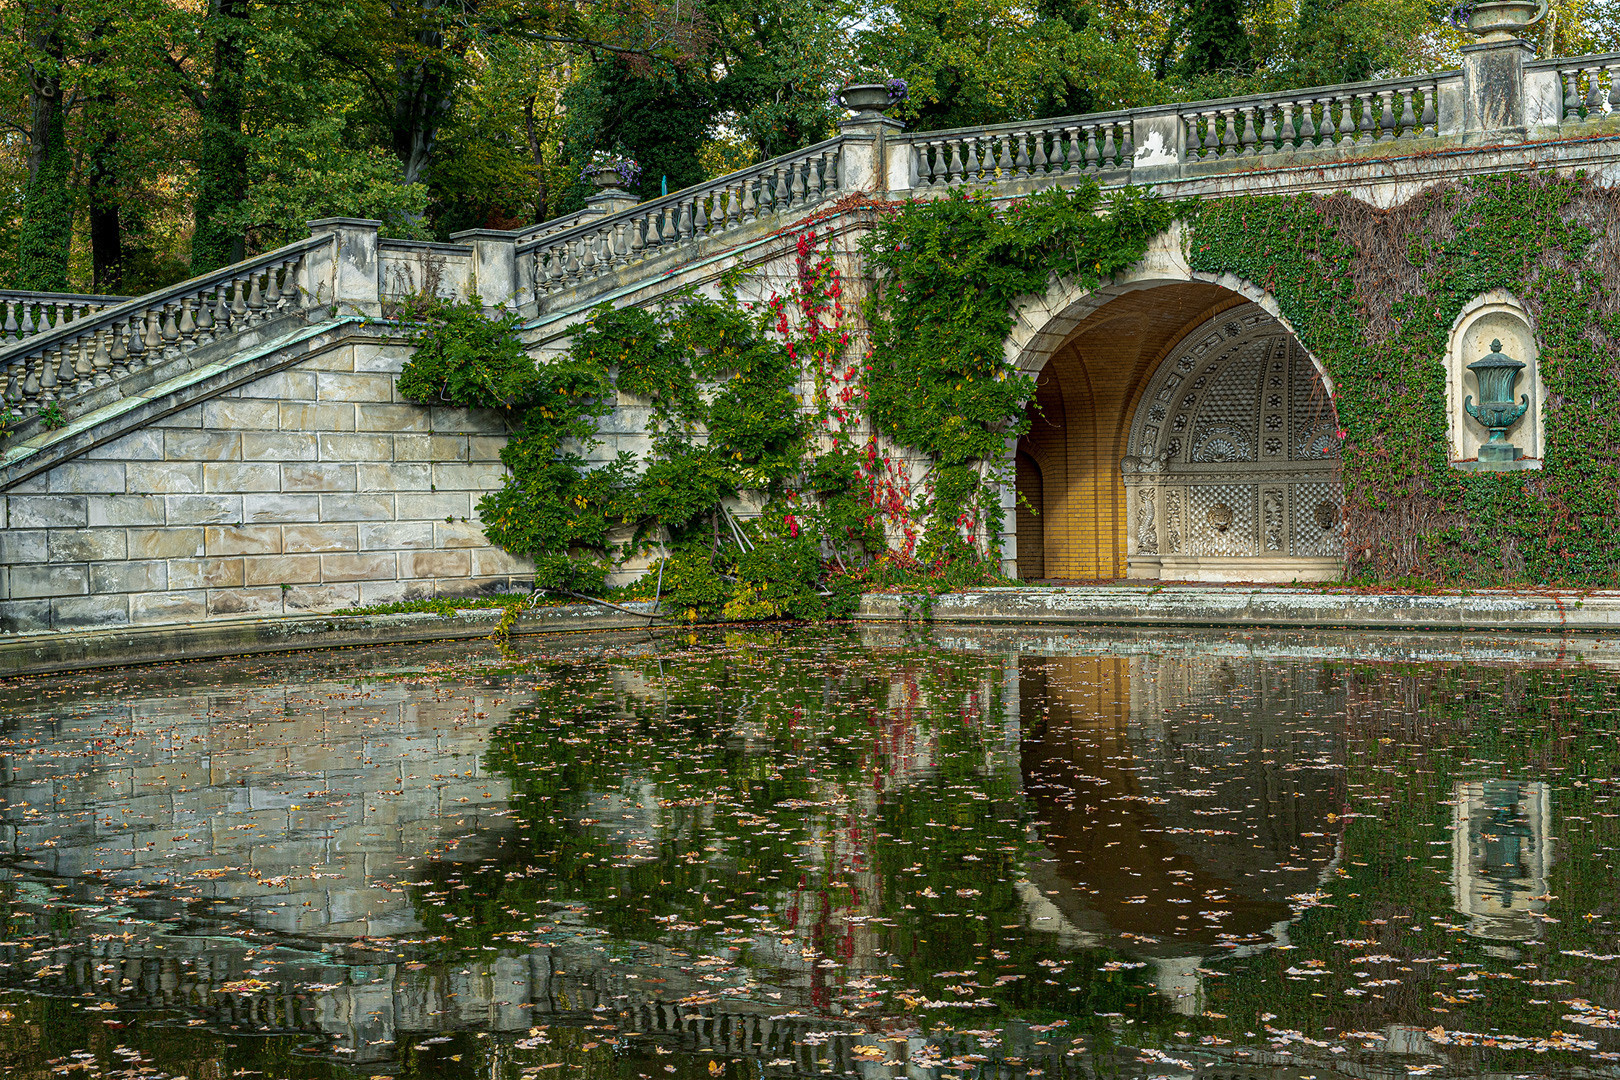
x=24 y=314
x=1315 y=118
x=788 y=183
x=1582 y=80
x=96 y=349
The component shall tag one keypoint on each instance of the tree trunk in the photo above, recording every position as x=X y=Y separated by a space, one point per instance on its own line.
x=45 y=231
x=222 y=161
x=106 y=230
x=537 y=152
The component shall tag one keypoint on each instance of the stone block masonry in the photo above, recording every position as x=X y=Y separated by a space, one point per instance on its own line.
x=309 y=488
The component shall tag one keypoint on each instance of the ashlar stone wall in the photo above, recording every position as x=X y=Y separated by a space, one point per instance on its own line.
x=311 y=488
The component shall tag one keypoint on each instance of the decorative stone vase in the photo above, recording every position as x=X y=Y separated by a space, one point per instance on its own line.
x=1504 y=20
x=866 y=97
x=607 y=178
x=1496 y=373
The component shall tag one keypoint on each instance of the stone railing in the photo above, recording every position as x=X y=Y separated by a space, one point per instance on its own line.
x=98 y=348
x=1590 y=85
x=786 y=184
x=25 y=314
x=1319 y=118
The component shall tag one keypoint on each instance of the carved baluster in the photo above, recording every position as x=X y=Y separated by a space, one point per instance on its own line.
x=1386 y=116
x=1347 y=120
x=953 y=163
x=1429 y=121
x=1037 y=157
x=1368 y=126
x=1088 y=161
x=31 y=388
x=1212 y=134
x=1326 y=131
x=1072 y=162
x=101 y=361
x=153 y=341
x=829 y=170
x=1594 y=93
x=272 y=289
x=1572 y=97
x=972 y=165
x=48 y=380
x=1268 y=130
x=255 y=300
x=239 y=306
x=1229 y=136
x=10 y=329
x=1408 y=117
x=171 y=331
x=1250 y=135
x=1191 y=152
x=798 y=183
x=205 y=319
x=188 y=325
x=1020 y=155
x=1287 y=137
x=29 y=327
x=13 y=393
x=1110 y=152
x=68 y=374
x=1614 y=88
x=1127 y=144
x=700 y=220
x=118 y=353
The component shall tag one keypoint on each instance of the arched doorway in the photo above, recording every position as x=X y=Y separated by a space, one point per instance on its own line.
x=1235 y=493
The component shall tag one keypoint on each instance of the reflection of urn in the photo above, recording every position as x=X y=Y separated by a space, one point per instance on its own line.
x=1501 y=857
x=1503 y=20
x=1496 y=374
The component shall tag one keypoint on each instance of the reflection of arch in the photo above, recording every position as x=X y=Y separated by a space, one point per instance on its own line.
x=1093 y=353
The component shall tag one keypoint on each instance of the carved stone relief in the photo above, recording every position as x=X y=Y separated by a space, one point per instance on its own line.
x=1243 y=446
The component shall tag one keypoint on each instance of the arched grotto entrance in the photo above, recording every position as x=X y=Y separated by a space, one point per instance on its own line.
x=1179 y=432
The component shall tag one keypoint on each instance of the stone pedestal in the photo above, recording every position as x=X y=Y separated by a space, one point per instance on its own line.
x=864 y=164
x=1493 y=90
x=610 y=201
x=345 y=274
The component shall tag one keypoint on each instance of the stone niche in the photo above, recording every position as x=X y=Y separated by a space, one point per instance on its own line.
x=1495 y=316
x=1233 y=473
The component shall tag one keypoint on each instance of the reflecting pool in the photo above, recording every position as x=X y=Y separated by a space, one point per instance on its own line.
x=871 y=852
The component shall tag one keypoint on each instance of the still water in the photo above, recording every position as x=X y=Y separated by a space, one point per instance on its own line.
x=866 y=853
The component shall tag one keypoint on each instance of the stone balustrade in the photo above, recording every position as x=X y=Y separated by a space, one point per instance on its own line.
x=784 y=185
x=98 y=348
x=1590 y=84
x=54 y=347
x=24 y=314
x=1076 y=144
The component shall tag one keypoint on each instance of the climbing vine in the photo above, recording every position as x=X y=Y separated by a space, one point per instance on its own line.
x=1374 y=293
x=868 y=441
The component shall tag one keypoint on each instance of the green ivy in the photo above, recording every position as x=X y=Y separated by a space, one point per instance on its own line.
x=1373 y=294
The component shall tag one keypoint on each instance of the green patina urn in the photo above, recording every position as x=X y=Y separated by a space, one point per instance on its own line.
x=1497 y=373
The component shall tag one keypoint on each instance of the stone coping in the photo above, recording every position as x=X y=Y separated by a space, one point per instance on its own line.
x=1241 y=607
x=1538 y=622
x=61 y=651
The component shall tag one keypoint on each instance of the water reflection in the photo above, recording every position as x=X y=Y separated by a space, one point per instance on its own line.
x=824 y=852
x=1502 y=853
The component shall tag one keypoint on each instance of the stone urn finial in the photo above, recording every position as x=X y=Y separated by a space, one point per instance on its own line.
x=872 y=98
x=1500 y=20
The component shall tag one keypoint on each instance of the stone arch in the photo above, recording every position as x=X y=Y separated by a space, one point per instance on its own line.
x=1093 y=353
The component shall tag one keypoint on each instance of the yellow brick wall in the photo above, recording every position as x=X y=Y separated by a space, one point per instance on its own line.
x=1085 y=397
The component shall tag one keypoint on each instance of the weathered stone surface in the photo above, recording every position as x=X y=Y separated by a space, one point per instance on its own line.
x=296 y=538
x=165 y=543
x=86 y=545
x=204 y=573
x=280 y=446
x=243 y=540
x=338 y=386
x=44 y=579
x=122 y=510
x=281 y=569
x=48 y=511
x=78 y=477
x=280 y=508
x=367 y=567
x=166 y=478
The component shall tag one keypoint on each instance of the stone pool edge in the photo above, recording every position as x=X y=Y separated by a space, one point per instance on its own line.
x=1281 y=607
x=53 y=652
x=1228 y=607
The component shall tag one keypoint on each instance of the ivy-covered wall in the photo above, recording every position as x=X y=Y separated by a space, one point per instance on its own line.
x=1374 y=293
x=863 y=409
